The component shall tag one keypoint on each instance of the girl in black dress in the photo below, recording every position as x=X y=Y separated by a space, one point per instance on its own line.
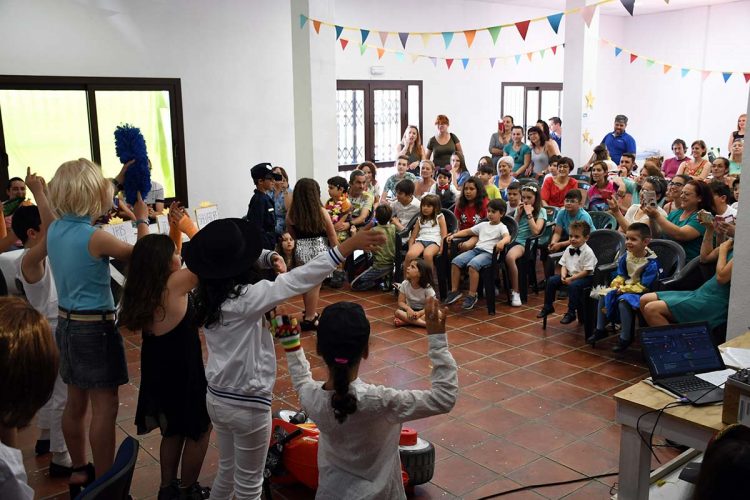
x=172 y=396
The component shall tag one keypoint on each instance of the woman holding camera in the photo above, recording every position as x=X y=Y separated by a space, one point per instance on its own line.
x=652 y=194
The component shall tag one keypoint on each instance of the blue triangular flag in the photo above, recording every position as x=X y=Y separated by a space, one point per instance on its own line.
x=554 y=21
x=400 y=56
x=618 y=50
x=465 y=62
x=726 y=75
x=447 y=38
x=365 y=34
x=684 y=72
x=492 y=62
x=403 y=37
x=433 y=60
x=339 y=29
x=518 y=58
x=302 y=20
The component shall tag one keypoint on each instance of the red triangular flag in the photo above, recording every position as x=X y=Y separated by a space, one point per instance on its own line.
x=470 y=34
x=523 y=28
x=380 y=53
x=633 y=57
x=449 y=62
x=343 y=43
x=747 y=77
x=554 y=49
x=316 y=25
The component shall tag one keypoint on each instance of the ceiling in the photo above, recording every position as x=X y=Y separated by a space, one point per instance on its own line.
x=616 y=9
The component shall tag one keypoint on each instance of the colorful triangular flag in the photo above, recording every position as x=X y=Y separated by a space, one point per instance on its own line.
x=554 y=21
x=554 y=50
x=518 y=58
x=414 y=57
x=425 y=38
x=747 y=77
x=529 y=55
x=492 y=63
x=433 y=60
x=588 y=14
x=667 y=67
x=541 y=53
x=362 y=49
x=523 y=28
x=465 y=62
x=302 y=20
x=383 y=37
x=628 y=4
x=470 y=34
x=494 y=32
x=343 y=42
x=339 y=29
x=726 y=75
x=380 y=52
x=365 y=34
x=684 y=72
x=449 y=62
x=704 y=75
x=316 y=25
x=649 y=63
x=447 y=38
x=633 y=57
x=400 y=56
x=403 y=37
x=618 y=50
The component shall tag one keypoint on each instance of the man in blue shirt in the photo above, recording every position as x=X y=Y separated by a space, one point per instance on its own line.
x=555 y=130
x=616 y=142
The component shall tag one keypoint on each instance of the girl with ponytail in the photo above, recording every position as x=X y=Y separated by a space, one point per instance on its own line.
x=358 y=450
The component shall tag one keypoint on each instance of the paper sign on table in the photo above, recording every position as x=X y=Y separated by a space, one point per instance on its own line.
x=162 y=222
x=205 y=215
x=123 y=232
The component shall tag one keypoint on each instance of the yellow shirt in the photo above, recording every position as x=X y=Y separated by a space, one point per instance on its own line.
x=493 y=193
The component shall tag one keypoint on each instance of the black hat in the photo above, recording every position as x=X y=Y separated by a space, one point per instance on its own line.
x=343 y=332
x=263 y=171
x=224 y=248
x=445 y=171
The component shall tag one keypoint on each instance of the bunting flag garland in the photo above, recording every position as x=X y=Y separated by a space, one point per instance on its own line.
x=618 y=50
x=380 y=52
x=667 y=67
x=554 y=21
x=343 y=43
x=302 y=20
x=633 y=57
x=492 y=65
x=523 y=28
x=447 y=38
x=403 y=37
x=554 y=50
x=365 y=34
x=588 y=13
x=383 y=38
x=629 y=5
x=470 y=37
x=425 y=39
x=747 y=77
x=705 y=74
x=316 y=25
x=434 y=61
x=684 y=72
x=449 y=62
x=518 y=58
x=494 y=33
x=649 y=63
x=362 y=48
x=465 y=62
x=726 y=76
x=400 y=56
x=339 y=29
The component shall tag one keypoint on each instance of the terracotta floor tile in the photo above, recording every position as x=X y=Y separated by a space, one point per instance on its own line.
x=601 y=406
x=456 y=436
x=458 y=475
x=562 y=392
x=468 y=377
x=622 y=371
x=585 y=458
x=400 y=336
x=524 y=379
x=487 y=347
x=571 y=339
x=398 y=354
x=581 y=358
x=491 y=391
x=430 y=491
x=500 y=455
x=539 y=437
x=468 y=404
x=554 y=368
x=459 y=337
x=608 y=437
x=495 y=420
x=420 y=366
x=463 y=355
x=593 y=490
x=547 y=347
x=592 y=381
x=392 y=376
x=546 y=471
x=485 y=329
x=498 y=486
x=520 y=357
x=489 y=367
x=530 y=406
x=514 y=338
x=574 y=421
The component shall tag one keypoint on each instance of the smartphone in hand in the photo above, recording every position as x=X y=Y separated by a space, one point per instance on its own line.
x=705 y=217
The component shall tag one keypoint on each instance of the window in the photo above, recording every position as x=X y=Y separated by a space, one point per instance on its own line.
x=45 y=121
x=371 y=118
x=529 y=102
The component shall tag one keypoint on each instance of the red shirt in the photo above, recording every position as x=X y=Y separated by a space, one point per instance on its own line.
x=553 y=195
x=468 y=216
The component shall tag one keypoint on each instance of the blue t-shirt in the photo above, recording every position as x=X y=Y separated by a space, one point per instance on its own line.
x=564 y=219
x=692 y=247
x=518 y=156
x=619 y=144
x=524 y=232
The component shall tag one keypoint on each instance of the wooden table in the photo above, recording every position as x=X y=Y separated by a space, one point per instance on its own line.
x=689 y=425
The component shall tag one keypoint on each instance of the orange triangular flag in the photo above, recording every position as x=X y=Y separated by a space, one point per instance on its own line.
x=529 y=55
x=667 y=67
x=316 y=25
x=470 y=34
x=633 y=57
x=343 y=43
x=380 y=53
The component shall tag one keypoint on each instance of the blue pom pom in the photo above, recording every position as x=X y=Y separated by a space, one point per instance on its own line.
x=130 y=145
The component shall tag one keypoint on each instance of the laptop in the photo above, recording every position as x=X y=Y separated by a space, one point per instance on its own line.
x=675 y=353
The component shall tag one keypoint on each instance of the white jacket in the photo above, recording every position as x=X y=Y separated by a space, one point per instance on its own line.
x=359 y=459
x=241 y=367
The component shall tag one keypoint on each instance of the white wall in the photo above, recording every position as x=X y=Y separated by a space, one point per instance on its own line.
x=233 y=58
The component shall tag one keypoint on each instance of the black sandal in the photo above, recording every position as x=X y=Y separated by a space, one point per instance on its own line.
x=308 y=325
x=75 y=489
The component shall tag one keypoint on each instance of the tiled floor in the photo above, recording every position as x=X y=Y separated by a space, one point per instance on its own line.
x=534 y=406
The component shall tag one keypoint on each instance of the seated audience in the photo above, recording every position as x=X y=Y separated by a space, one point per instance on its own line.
x=603 y=188
x=426 y=180
x=674 y=192
x=735 y=166
x=499 y=139
x=577 y=265
x=459 y=169
x=471 y=206
x=552 y=169
x=671 y=165
x=389 y=189
x=503 y=179
x=696 y=167
x=531 y=219
x=383 y=258
x=406 y=206
x=485 y=174
x=652 y=189
x=444 y=188
x=285 y=247
x=722 y=198
x=573 y=212
x=371 y=180
x=443 y=144
x=428 y=233
x=637 y=271
x=411 y=147
x=513 y=193
x=725 y=466
x=600 y=154
x=625 y=171
x=338 y=205
x=554 y=189
x=413 y=294
x=736 y=193
x=682 y=225
x=518 y=151
x=492 y=235
x=720 y=171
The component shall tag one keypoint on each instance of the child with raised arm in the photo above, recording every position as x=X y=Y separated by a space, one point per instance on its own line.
x=360 y=423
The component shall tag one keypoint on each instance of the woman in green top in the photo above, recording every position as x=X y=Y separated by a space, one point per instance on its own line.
x=708 y=303
x=682 y=225
x=519 y=151
x=443 y=144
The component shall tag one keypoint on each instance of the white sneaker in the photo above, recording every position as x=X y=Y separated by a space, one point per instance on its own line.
x=515 y=299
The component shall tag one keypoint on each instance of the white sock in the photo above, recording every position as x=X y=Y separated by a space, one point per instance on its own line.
x=44 y=434
x=62 y=458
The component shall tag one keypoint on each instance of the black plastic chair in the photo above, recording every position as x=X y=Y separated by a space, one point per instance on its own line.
x=526 y=264
x=490 y=274
x=583 y=186
x=115 y=483
x=524 y=181
x=603 y=220
x=671 y=256
x=581 y=178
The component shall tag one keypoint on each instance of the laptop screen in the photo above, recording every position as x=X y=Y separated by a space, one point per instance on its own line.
x=675 y=350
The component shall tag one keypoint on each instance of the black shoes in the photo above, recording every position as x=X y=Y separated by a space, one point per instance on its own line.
x=57 y=470
x=42 y=447
x=546 y=310
x=596 y=336
x=567 y=318
x=622 y=345
x=75 y=489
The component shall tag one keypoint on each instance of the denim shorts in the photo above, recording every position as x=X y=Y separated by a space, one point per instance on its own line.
x=92 y=355
x=475 y=258
x=426 y=243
